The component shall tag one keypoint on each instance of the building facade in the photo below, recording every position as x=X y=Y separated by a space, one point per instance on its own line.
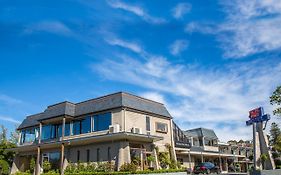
x=206 y=147
x=110 y=128
x=114 y=128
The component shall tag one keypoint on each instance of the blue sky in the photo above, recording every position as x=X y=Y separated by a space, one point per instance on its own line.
x=208 y=61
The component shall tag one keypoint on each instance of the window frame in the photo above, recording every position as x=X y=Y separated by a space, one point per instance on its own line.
x=160 y=130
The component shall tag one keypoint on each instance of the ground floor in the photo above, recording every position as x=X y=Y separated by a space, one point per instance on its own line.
x=226 y=162
x=117 y=151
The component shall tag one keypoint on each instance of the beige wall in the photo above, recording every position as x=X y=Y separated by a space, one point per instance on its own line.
x=136 y=119
x=71 y=152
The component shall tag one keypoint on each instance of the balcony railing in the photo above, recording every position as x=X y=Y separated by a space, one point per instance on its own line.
x=211 y=148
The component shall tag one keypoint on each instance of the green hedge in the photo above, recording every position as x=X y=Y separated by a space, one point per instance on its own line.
x=110 y=173
x=128 y=172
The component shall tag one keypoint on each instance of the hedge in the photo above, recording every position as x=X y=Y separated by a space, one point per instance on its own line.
x=112 y=173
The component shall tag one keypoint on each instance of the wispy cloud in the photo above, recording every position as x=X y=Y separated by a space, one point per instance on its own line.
x=180 y=10
x=9 y=100
x=250 y=27
x=55 y=27
x=178 y=46
x=204 y=97
x=9 y=119
x=129 y=45
x=137 y=10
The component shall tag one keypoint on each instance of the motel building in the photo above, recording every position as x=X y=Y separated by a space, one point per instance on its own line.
x=117 y=128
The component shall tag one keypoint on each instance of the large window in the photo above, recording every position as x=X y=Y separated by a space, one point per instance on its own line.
x=51 y=131
x=86 y=125
x=67 y=129
x=101 y=122
x=76 y=127
x=28 y=135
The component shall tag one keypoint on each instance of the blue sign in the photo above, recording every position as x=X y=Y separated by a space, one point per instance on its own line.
x=257 y=115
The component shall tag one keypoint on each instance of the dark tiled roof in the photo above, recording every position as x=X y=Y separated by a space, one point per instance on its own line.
x=120 y=99
x=201 y=132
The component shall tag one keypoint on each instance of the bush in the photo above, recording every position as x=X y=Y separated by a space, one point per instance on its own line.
x=4 y=165
x=129 y=167
x=22 y=173
x=46 y=166
x=32 y=165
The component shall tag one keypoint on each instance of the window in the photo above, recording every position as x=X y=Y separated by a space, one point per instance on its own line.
x=86 y=125
x=67 y=129
x=51 y=131
x=76 y=127
x=109 y=154
x=101 y=122
x=78 y=156
x=46 y=132
x=28 y=135
x=147 y=123
x=98 y=154
x=161 y=127
x=88 y=155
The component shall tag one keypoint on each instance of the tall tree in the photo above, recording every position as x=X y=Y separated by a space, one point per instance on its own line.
x=5 y=155
x=3 y=134
x=275 y=99
x=274 y=133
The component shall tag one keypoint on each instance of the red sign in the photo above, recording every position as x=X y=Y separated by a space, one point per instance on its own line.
x=255 y=113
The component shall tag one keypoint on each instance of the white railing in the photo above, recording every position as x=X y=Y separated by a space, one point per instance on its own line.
x=211 y=148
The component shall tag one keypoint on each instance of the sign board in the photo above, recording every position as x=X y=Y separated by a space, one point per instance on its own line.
x=257 y=115
x=182 y=144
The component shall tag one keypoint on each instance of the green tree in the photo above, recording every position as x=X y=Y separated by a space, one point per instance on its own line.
x=3 y=134
x=274 y=133
x=277 y=145
x=275 y=99
x=4 y=145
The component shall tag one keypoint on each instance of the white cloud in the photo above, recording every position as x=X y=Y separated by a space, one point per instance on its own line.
x=137 y=11
x=9 y=119
x=202 y=96
x=178 y=46
x=155 y=96
x=250 y=27
x=181 y=9
x=129 y=45
x=55 y=27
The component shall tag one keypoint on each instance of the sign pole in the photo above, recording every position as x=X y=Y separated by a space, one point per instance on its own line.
x=254 y=145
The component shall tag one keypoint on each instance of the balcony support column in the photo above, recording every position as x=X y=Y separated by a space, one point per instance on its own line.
x=40 y=132
x=62 y=146
x=38 y=166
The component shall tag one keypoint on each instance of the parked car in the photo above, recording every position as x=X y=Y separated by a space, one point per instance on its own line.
x=206 y=168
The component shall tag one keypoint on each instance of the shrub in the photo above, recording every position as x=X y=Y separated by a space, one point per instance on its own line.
x=22 y=173
x=46 y=166
x=164 y=159
x=128 y=167
x=32 y=165
x=105 y=167
x=4 y=165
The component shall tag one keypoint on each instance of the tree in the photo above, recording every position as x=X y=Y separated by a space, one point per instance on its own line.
x=3 y=134
x=275 y=99
x=277 y=145
x=274 y=133
x=4 y=145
